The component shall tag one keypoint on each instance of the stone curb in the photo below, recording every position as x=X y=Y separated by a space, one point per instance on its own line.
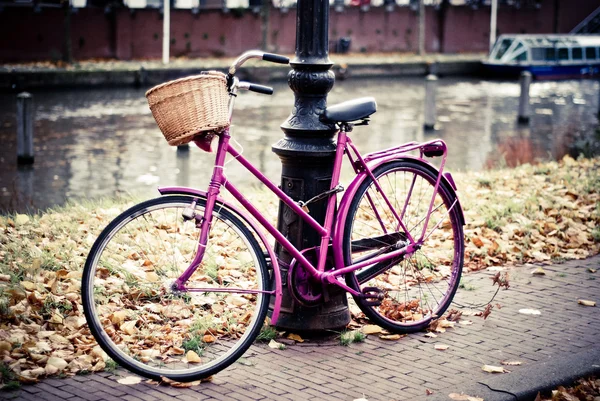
x=541 y=377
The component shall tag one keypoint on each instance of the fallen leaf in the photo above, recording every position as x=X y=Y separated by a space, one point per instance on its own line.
x=428 y=392
x=118 y=317
x=592 y=270
x=130 y=380
x=21 y=219
x=494 y=369
x=360 y=399
x=477 y=242
x=441 y=347
x=530 y=311
x=209 y=338
x=176 y=384
x=431 y=335
x=391 y=337
x=511 y=363
x=486 y=312
x=275 y=345
x=129 y=327
x=465 y=322
x=295 y=337
x=27 y=379
x=372 y=329
x=192 y=357
x=56 y=362
x=586 y=303
x=538 y=272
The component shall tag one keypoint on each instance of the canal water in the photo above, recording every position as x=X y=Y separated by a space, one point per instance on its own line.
x=104 y=142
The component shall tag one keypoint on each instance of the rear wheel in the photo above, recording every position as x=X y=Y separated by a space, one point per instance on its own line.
x=405 y=293
x=150 y=328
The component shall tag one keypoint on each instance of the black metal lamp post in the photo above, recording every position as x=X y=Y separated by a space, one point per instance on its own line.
x=307 y=152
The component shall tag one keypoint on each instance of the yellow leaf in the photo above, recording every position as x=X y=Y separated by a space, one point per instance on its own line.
x=494 y=369
x=56 y=318
x=152 y=277
x=538 y=272
x=118 y=317
x=295 y=337
x=57 y=363
x=129 y=327
x=372 y=329
x=391 y=337
x=21 y=219
x=586 y=303
x=28 y=285
x=192 y=357
x=177 y=351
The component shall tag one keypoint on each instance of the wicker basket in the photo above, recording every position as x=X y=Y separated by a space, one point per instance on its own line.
x=188 y=106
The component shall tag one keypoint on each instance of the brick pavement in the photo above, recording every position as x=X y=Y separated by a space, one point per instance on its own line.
x=391 y=370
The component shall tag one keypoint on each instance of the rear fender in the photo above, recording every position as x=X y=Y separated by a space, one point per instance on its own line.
x=254 y=228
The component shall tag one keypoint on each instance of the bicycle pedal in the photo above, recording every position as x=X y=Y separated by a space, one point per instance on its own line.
x=372 y=296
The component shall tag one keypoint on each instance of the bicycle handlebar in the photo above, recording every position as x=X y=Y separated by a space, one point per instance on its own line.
x=275 y=58
x=265 y=90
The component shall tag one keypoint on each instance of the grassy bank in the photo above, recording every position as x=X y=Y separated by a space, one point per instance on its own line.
x=543 y=213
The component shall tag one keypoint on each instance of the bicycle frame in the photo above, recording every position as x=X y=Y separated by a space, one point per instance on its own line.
x=331 y=234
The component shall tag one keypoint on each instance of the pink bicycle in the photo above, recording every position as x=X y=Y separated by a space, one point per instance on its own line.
x=180 y=286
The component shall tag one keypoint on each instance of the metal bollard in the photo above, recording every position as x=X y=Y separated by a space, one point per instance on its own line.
x=524 y=108
x=24 y=128
x=430 y=109
x=598 y=102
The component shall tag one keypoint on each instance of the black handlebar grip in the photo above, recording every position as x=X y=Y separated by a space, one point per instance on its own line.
x=276 y=58
x=265 y=90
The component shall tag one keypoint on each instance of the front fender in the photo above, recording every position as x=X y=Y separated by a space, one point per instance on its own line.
x=350 y=193
x=254 y=227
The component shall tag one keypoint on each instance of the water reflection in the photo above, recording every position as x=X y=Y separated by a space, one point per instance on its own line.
x=99 y=142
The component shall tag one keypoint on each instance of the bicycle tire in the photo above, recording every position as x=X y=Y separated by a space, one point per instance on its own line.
x=415 y=290
x=148 y=328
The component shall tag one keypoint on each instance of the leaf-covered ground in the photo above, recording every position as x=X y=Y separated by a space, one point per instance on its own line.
x=543 y=213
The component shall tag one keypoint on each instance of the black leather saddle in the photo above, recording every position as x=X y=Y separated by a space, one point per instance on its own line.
x=352 y=110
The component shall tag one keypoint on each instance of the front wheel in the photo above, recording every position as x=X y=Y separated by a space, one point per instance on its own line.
x=405 y=293
x=150 y=328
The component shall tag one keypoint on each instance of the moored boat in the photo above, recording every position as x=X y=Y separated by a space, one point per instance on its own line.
x=545 y=56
